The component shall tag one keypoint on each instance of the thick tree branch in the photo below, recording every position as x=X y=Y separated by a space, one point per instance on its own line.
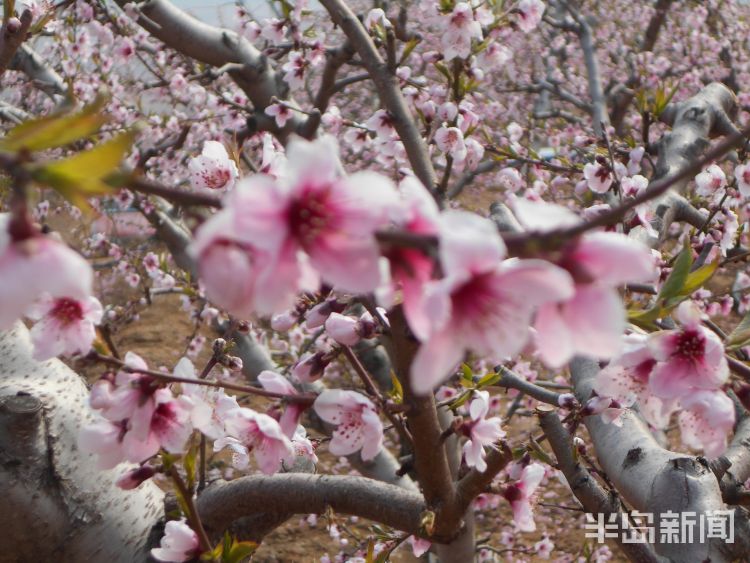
x=592 y=496
x=224 y=502
x=249 y=68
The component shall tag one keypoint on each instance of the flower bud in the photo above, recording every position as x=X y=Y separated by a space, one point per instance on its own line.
x=567 y=401
x=13 y=25
x=133 y=478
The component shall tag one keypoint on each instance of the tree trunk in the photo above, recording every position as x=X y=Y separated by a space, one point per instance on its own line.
x=56 y=504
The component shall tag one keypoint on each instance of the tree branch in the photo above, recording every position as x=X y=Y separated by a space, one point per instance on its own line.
x=224 y=502
x=388 y=89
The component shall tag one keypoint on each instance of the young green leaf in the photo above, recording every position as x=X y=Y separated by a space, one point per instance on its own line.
x=56 y=130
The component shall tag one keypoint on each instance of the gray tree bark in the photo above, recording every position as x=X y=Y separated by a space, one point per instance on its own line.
x=56 y=504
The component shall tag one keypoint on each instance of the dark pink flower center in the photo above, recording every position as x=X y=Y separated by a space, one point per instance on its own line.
x=164 y=417
x=690 y=345
x=216 y=178
x=643 y=370
x=475 y=299
x=67 y=311
x=308 y=216
x=513 y=493
x=351 y=424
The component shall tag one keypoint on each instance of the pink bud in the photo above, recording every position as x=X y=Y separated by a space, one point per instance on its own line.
x=14 y=25
x=283 y=321
x=311 y=368
x=133 y=478
x=567 y=401
x=343 y=329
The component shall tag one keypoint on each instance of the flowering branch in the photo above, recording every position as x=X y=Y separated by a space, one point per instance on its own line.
x=388 y=89
x=304 y=399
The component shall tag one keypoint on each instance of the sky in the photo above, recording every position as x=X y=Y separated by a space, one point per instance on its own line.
x=219 y=11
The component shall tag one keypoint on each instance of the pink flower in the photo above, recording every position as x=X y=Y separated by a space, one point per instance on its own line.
x=690 y=358
x=125 y=48
x=64 y=326
x=519 y=495
x=593 y=320
x=410 y=268
x=419 y=546
x=260 y=434
x=132 y=394
x=742 y=174
x=358 y=424
x=450 y=140
x=331 y=218
x=311 y=367
x=168 y=428
x=530 y=14
x=276 y=383
x=481 y=431
x=180 y=543
x=302 y=445
x=280 y=112
x=26 y=262
x=632 y=186
x=706 y=421
x=209 y=407
x=625 y=380
x=494 y=56
x=238 y=274
x=598 y=177
x=544 y=547
x=710 y=180
x=376 y=17
x=462 y=28
x=294 y=74
x=213 y=169
x=105 y=439
x=483 y=303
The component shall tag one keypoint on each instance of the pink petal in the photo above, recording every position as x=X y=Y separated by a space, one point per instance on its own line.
x=554 y=341
x=468 y=244
x=614 y=259
x=435 y=361
x=596 y=320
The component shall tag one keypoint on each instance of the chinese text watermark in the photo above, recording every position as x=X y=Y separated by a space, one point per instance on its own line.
x=669 y=527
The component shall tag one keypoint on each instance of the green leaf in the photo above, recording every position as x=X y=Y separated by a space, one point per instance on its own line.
x=239 y=552
x=538 y=453
x=467 y=376
x=409 y=47
x=444 y=71
x=699 y=277
x=675 y=283
x=489 y=379
x=57 y=130
x=740 y=336
x=190 y=462
x=645 y=318
x=460 y=400
x=83 y=174
x=370 y=557
x=397 y=391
